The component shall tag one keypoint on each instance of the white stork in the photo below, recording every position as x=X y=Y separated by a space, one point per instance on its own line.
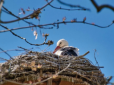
x=63 y=49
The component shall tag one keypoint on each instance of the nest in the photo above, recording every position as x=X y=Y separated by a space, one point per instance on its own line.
x=44 y=66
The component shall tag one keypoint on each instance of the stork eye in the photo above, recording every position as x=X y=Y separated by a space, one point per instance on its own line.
x=60 y=43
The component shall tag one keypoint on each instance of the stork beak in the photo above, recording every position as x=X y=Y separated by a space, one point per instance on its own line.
x=56 y=49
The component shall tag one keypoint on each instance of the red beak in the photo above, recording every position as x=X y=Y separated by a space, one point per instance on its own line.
x=56 y=49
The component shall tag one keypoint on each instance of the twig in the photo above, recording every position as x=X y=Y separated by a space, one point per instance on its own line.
x=81 y=56
x=99 y=8
x=21 y=28
x=65 y=8
x=23 y=48
x=10 y=50
x=70 y=5
x=45 y=48
x=6 y=53
x=27 y=15
x=9 y=12
x=1 y=3
x=3 y=59
x=57 y=23
x=95 y=58
x=25 y=38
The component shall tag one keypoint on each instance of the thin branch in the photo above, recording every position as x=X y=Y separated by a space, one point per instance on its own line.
x=16 y=49
x=70 y=5
x=64 y=22
x=5 y=11
x=78 y=57
x=65 y=8
x=10 y=50
x=9 y=12
x=23 y=48
x=95 y=57
x=1 y=3
x=99 y=8
x=57 y=23
x=108 y=80
x=25 y=38
x=3 y=59
x=6 y=53
x=22 y=28
x=5 y=22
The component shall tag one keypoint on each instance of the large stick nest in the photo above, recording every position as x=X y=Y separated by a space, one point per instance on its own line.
x=40 y=66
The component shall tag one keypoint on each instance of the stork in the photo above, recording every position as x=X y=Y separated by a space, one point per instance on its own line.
x=63 y=49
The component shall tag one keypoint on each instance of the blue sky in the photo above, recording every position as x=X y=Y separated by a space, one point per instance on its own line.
x=83 y=36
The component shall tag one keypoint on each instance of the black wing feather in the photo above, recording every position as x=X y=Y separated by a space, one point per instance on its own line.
x=68 y=51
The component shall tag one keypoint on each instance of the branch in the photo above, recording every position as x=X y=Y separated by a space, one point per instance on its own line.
x=9 y=12
x=99 y=8
x=1 y=3
x=95 y=57
x=48 y=43
x=25 y=27
x=6 y=53
x=65 y=8
x=16 y=49
x=22 y=28
x=26 y=17
x=23 y=48
x=11 y=50
x=64 y=22
x=57 y=24
x=3 y=59
x=70 y=5
x=78 y=57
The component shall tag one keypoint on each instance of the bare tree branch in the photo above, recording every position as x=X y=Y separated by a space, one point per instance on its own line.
x=74 y=6
x=95 y=57
x=1 y=3
x=99 y=8
x=53 y=24
x=10 y=50
x=28 y=16
x=65 y=8
x=23 y=48
x=24 y=27
x=48 y=43
x=3 y=59
x=9 y=12
x=6 y=53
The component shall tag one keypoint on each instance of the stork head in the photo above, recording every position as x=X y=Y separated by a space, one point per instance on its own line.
x=60 y=44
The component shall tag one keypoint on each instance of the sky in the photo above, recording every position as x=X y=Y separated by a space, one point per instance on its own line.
x=83 y=36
